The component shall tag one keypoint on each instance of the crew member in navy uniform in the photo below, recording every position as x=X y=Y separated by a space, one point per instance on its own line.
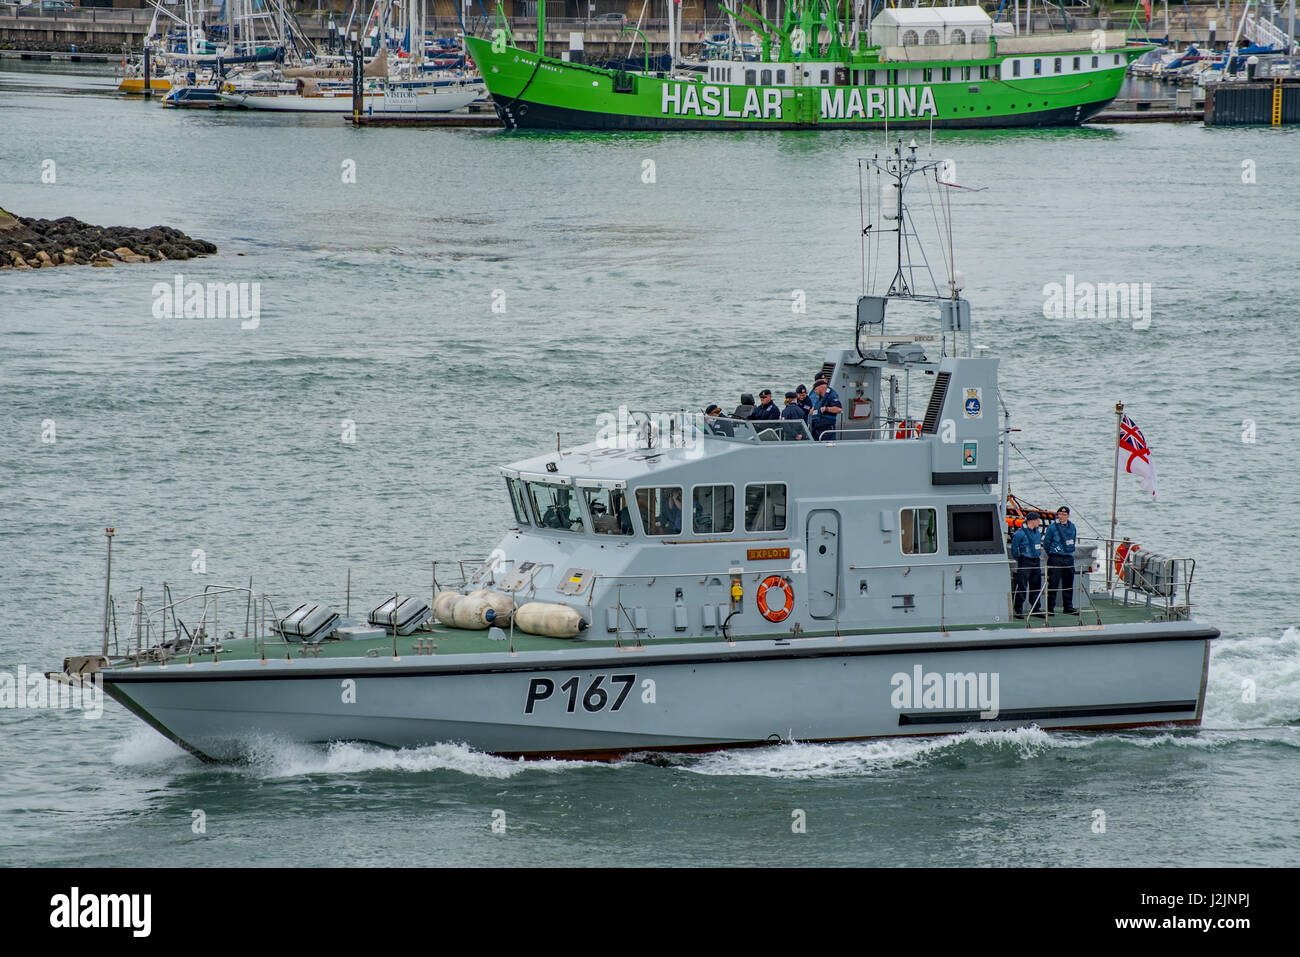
x=1026 y=548
x=670 y=519
x=792 y=414
x=1059 y=541
x=802 y=400
x=826 y=409
x=766 y=407
x=714 y=418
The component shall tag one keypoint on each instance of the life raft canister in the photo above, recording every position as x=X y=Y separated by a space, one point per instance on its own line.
x=766 y=610
x=1122 y=552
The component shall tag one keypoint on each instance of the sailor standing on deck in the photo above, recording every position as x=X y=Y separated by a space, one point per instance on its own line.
x=1026 y=548
x=766 y=408
x=825 y=411
x=803 y=401
x=792 y=414
x=1059 y=541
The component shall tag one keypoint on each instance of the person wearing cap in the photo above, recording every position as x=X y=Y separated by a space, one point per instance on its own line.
x=1058 y=542
x=825 y=411
x=804 y=402
x=714 y=418
x=792 y=415
x=766 y=407
x=1026 y=548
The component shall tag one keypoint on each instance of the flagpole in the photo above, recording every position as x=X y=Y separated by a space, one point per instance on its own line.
x=1114 y=492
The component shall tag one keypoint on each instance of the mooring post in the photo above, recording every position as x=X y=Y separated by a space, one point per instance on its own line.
x=356 y=82
x=148 y=74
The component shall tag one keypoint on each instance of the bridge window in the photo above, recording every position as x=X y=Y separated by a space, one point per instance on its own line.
x=661 y=509
x=919 y=531
x=826 y=77
x=517 y=501
x=1038 y=68
x=1077 y=62
x=984 y=72
x=749 y=77
x=609 y=513
x=871 y=78
x=1056 y=65
x=947 y=74
x=893 y=77
x=554 y=507
x=927 y=75
x=1096 y=61
x=766 y=78
x=1015 y=67
x=715 y=509
x=957 y=35
x=931 y=38
x=780 y=76
x=1116 y=59
x=765 y=508
x=909 y=38
x=974 y=530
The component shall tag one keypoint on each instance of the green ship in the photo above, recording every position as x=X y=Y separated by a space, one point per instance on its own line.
x=915 y=67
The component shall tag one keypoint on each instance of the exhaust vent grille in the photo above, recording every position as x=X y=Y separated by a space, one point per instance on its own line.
x=932 y=412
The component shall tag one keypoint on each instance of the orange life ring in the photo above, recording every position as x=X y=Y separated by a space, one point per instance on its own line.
x=1122 y=552
x=775 y=614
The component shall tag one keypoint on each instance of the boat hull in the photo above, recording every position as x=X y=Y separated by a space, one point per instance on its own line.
x=442 y=101
x=135 y=85
x=599 y=703
x=556 y=95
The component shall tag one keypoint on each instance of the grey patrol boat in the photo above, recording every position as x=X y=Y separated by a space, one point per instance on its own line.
x=687 y=583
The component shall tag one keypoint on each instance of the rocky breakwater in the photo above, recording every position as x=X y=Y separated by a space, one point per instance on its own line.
x=36 y=243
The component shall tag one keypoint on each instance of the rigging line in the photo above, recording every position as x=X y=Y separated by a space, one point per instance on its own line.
x=938 y=230
x=1063 y=496
x=873 y=241
x=862 y=229
x=920 y=248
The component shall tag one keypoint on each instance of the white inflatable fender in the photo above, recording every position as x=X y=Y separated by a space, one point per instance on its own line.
x=549 y=619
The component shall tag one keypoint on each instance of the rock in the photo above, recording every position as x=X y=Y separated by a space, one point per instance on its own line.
x=68 y=241
x=102 y=262
x=21 y=264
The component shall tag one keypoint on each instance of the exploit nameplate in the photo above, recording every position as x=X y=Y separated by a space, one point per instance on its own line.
x=763 y=554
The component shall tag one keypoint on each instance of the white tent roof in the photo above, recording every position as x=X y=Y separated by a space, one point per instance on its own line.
x=932 y=16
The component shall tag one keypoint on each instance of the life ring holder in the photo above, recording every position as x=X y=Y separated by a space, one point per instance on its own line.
x=1124 y=555
x=775 y=614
